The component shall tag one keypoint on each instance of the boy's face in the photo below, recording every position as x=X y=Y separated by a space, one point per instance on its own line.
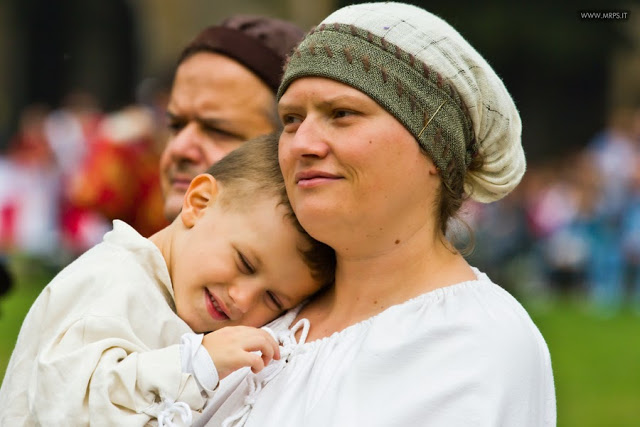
x=236 y=265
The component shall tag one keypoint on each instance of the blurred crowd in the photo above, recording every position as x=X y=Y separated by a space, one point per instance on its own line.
x=572 y=226
x=66 y=173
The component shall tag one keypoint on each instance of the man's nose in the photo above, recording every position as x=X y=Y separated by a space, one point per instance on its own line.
x=185 y=143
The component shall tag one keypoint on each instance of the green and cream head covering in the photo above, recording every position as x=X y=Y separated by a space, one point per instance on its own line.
x=423 y=72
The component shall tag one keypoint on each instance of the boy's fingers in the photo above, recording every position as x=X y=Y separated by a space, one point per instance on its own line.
x=273 y=344
x=256 y=363
x=267 y=347
x=262 y=341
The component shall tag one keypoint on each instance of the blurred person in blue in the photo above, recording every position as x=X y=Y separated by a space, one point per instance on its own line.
x=631 y=245
x=223 y=93
x=631 y=221
x=569 y=248
x=615 y=158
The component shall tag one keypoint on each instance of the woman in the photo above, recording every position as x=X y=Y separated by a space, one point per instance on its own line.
x=390 y=120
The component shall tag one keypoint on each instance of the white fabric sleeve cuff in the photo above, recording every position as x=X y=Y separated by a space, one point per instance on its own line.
x=197 y=362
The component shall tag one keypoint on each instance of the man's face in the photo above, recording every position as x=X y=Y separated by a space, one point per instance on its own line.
x=216 y=104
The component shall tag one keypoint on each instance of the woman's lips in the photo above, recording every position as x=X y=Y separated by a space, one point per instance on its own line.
x=312 y=178
x=214 y=307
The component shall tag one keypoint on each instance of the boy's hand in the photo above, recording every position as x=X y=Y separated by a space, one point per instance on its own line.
x=233 y=347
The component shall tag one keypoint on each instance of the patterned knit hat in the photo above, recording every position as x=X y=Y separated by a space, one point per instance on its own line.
x=424 y=73
x=259 y=43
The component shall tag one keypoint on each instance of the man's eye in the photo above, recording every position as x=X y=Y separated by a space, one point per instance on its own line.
x=216 y=132
x=175 y=126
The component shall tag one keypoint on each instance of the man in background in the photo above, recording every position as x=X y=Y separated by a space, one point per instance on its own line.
x=223 y=93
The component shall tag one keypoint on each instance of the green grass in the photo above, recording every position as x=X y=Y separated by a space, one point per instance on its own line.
x=596 y=363
x=31 y=278
x=596 y=358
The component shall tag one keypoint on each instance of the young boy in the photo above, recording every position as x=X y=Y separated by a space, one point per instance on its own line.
x=110 y=341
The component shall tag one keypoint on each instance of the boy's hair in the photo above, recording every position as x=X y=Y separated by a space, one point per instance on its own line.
x=252 y=171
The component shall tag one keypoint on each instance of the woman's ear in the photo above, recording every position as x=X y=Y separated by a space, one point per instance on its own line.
x=201 y=194
x=431 y=167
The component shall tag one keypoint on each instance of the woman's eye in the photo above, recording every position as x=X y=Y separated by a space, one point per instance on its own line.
x=274 y=302
x=338 y=114
x=290 y=119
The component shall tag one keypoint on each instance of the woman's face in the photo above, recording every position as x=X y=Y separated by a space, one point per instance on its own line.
x=350 y=165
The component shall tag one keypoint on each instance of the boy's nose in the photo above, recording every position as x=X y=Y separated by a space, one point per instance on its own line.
x=243 y=297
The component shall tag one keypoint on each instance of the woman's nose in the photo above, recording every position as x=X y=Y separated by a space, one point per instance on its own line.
x=310 y=140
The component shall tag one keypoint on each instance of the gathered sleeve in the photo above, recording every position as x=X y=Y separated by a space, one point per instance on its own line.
x=101 y=345
x=98 y=372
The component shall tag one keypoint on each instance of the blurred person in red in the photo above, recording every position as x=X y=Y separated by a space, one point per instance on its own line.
x=71 y=130
x=223 y=93
x=118 y=178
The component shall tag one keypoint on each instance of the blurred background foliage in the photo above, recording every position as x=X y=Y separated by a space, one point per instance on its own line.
x=570 y=78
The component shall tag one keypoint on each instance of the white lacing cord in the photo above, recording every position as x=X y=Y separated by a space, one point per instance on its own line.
x=289 y=345
x=171 y=408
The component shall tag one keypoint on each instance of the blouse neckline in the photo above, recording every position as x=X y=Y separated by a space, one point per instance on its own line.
x=287 y=319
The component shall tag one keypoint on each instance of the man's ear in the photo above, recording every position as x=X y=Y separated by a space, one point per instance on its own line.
x=201 y=194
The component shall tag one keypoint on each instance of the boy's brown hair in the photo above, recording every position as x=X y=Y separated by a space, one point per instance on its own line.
x=252 y=171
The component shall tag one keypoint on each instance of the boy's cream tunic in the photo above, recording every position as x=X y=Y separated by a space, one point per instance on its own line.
x=100 y=345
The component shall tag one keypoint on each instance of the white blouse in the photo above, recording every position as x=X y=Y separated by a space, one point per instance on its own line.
x=462 y=355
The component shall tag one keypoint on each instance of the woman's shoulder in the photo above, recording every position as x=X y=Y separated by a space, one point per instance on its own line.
x=478 y=310
x=476 y=329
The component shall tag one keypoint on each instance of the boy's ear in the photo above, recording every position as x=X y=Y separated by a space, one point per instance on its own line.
x=201 y=194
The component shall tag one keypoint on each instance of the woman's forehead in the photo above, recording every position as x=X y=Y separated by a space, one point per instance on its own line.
x=327 y=89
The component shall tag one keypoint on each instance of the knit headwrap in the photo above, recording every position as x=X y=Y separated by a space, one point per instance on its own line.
x=424 y=73
x=257 y=42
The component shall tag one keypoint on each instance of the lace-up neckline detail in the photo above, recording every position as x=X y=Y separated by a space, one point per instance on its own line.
x=288 y=348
